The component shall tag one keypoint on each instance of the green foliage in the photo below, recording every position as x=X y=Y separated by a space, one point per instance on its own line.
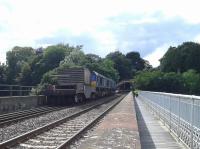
x=78 y=59
x=52 y=57
x=15 y=61
x=148 y=80
x=188 y=82
x=192 y=82
x=92 y=58
x=49 y=60
x=176 y=75
x=75 y=58
x=137 y=62
x=106 y=67
x=25 y=75
x=181 y=58
x=127 y=65
x=121 y=64
x=3 y=75
x=28 y=66
x=48 y=77
x=172 y=82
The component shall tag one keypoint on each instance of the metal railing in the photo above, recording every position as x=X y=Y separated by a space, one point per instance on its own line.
x=180 y=113
x=15 y=90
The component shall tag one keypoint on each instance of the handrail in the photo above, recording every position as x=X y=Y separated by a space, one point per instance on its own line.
x=175 y=95
x=15 y=90
x=180 y=113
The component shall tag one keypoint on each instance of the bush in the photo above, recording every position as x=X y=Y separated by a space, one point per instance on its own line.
x=188 y=82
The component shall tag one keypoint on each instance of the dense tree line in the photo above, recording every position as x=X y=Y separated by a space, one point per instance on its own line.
x=29 y=66
x=187 y=82
x=180 y=59
x=179 y=71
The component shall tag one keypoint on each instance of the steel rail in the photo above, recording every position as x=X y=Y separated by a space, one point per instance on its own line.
x=11 y=142
x=22 y=116
x=88 y=126
x=12 y=114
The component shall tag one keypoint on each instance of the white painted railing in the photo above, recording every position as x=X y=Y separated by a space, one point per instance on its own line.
x=180 y=113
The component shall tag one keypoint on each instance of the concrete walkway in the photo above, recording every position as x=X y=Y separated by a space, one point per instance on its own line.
x=118 y=129
x=153 y=134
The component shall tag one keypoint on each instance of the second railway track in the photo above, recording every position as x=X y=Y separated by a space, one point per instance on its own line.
x=61 y=132
x=21 y=115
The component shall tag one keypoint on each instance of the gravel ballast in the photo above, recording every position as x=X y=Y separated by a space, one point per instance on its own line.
x=19 y=128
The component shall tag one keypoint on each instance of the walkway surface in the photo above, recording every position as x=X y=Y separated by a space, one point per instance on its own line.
x=118 y=129
x=153 y=134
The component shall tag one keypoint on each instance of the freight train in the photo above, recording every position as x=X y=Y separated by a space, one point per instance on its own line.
x=81 y=84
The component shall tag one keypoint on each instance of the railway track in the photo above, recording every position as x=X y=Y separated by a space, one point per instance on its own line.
x=61 y=133
x=25 y=114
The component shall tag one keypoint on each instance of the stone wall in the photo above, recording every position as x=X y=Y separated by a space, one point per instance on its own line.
x=16 y=103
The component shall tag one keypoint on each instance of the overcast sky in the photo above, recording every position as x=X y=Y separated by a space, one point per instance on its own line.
x=102 y=26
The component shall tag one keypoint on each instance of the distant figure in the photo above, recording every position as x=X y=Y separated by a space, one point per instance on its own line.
x=135 y=93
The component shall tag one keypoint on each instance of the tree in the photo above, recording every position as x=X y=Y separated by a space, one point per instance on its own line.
x=93 y=58
x=49 y=59
x=147 y=80
x=15 y=59
x=25 y=75
x=191 y=82
x=54 y=55
x=75 y=58
x=121 y=64
x=136 y=61
x=181 y=58
x=159 y=81
x=3 y=73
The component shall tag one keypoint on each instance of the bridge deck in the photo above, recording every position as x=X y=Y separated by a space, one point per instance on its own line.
x=152 y=132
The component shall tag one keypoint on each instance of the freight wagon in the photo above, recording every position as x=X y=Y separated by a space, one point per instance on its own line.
x=81 y=84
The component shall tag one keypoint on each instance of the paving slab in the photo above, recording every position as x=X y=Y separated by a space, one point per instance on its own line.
x=118 y=129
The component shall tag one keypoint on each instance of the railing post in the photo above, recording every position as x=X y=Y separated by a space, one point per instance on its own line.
x=11 y=88
x=20 y=90
x=158 y=106
x=179 y=100
x=192 y=124
x=170 y=113
x=164 y=115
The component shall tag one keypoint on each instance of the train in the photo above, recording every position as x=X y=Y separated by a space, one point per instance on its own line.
x=81 y=84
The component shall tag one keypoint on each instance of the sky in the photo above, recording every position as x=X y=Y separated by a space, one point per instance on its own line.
x=101 y=26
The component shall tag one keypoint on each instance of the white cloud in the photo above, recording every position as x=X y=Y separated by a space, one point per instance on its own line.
x=197 y=39
x=23 y=22
x=106 y=43
x=158 y=53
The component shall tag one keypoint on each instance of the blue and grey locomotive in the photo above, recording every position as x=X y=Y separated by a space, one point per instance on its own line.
x=81 y=83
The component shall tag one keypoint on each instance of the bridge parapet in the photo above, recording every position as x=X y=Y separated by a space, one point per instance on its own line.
x=16 y=103
x=180 y=113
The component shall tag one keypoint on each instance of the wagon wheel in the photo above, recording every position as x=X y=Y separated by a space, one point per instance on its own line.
x=78 y=98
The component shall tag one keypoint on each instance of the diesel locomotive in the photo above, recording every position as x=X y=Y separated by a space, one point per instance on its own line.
x=81 y=84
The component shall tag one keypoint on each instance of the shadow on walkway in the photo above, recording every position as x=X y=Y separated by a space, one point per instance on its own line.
x=145 y=136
